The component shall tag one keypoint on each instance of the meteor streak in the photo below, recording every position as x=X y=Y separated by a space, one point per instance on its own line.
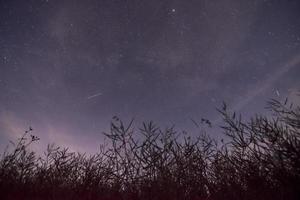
x=94 y=95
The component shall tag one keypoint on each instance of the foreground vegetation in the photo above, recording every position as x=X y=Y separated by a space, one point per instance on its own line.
x=258 y=159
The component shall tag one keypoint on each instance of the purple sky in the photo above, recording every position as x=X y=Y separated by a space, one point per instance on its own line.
x=68 y=67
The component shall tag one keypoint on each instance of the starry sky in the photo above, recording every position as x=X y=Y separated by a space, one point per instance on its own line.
x=68 y=66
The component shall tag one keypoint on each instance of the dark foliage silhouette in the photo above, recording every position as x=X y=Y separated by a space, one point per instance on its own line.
x=257 y=159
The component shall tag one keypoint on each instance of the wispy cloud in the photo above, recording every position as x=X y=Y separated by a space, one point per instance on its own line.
x=264 y=86
x=259 y=89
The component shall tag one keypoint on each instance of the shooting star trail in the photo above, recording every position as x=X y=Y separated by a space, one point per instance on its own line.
x=94 y=95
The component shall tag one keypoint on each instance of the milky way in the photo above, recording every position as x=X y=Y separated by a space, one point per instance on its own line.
x=68 y=67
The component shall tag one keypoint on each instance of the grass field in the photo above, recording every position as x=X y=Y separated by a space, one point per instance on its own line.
x=257 y=159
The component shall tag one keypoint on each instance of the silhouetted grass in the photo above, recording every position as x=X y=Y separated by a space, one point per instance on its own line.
x=258 y=159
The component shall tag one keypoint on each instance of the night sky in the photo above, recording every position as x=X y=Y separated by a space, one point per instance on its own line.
x=68 y=67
